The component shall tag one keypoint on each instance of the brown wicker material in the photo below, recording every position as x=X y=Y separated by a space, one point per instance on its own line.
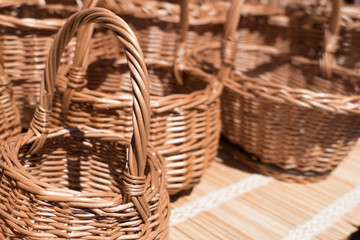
x=185 y=120
x=307 y=24
x=83 y=183
x=26 y=33
x=9 y=114
x=158 y=25
x=300 y=117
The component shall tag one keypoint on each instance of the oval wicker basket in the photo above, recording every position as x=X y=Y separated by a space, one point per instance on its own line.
x=298 y=116
x=26 y=34
x=185 y=118
x=83 y=183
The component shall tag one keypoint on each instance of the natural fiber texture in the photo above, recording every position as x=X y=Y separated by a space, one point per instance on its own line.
x=185 y=121
x=260 y=207
x=307 y=26
x=82 y=183
x=9 y=114
x=161 y=26
x=26 y=33
x=299 y=117
x=185 y=106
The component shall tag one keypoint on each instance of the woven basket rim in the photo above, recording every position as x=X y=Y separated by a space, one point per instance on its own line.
x=303 y=97
x=179 y=100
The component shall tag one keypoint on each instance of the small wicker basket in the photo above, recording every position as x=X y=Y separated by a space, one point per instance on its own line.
x=299 y=117
x=185 y=117
x=26 y=34
x=83 y=183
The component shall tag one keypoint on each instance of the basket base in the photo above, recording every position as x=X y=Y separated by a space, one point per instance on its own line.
x=269 y=169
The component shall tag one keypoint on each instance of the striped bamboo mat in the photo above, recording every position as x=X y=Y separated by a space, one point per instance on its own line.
x=232 y=202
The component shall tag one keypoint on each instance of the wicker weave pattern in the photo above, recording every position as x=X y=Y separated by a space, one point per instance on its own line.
x=82 y=183
x=26 y=35
x=297 y=116
x=307 y=24
x=9 y=114
x=185 y=121
x=159 y=25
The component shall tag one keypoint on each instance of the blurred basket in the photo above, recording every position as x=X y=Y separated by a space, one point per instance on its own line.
x=185 y=106
x=83 y=183
x=308 y=24
x=299 y=117
x=26 y=33
x=157 y=24
x=9 y=114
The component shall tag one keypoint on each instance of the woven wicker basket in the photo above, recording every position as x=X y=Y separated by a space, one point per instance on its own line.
x=299 y=117
x=26 y=33
x=185 y=120
x=9 y=114
x=159 y=24
x=308 y=23
x=82 y=183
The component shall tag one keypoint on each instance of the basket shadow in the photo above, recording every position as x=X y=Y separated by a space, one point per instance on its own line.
x=355 y=235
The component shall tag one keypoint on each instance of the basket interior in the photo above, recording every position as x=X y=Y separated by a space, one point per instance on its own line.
x=107 y=77
x=78 y=163
x=294 y=74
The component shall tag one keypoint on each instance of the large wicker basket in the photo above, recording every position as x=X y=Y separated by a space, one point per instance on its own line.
x=83 y=183
x=26 y=33
x=307 y=26
x=299 y=117
x=185 y=118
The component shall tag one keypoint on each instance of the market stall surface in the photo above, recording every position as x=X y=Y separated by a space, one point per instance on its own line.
x=233 y=202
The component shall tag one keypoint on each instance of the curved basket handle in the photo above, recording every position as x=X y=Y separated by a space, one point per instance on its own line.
x=134 y=176
x=228 y=50
x=331 y=39
x=181 y=48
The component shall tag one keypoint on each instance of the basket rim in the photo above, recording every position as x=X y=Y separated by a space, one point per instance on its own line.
x=158 y=103
x=279 y=93
x=32 y=23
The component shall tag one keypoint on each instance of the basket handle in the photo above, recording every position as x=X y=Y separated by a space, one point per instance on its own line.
x=228 y=48
x=179 y=64
x=134 y=175
x=331 y=40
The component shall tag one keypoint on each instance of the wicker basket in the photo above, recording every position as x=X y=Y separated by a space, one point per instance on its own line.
x=26 y=33
x=307 y=24
x=185 y=120
x=9 y=114
x=82 y=183
x=159 y=25
x=299 y=117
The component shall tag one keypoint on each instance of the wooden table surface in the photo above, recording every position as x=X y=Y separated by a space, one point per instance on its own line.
x=233 y=202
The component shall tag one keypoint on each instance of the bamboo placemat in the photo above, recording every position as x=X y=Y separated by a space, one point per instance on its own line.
x=232 y=202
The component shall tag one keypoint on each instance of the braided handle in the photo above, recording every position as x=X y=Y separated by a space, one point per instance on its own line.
x=228 y=50
x=141 y=97
x=331 y=40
